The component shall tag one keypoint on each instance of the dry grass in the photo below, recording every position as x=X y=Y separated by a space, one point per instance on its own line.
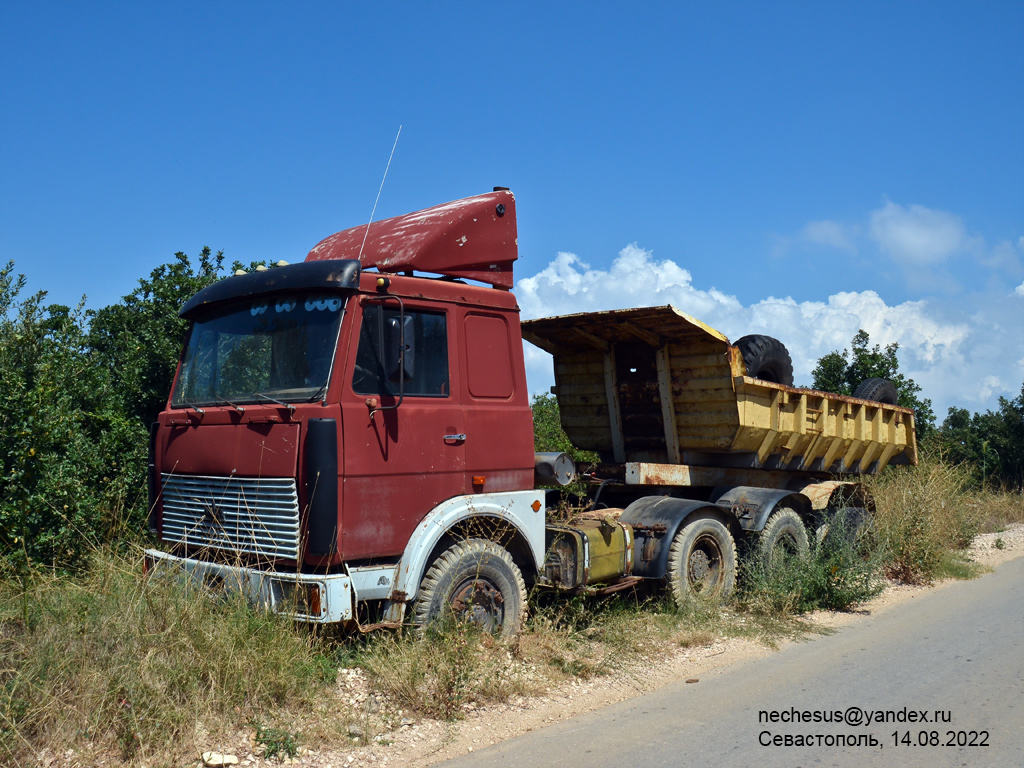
x=996 y=511
x=922 y=513
x=440 y=671
x=111 y=662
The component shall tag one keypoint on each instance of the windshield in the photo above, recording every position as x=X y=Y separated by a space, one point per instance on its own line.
x=279 y=348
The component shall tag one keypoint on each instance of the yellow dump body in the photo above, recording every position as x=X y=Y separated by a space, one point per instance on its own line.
x=654 y=385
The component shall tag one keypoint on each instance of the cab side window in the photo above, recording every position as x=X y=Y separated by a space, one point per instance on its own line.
x=425 y=361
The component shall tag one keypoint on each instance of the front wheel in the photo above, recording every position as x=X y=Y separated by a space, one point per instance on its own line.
x=474 y=580
x=701 y=561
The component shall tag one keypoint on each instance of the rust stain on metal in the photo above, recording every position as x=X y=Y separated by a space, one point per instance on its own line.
x=624 y=583
x=657 y=529
x=648 y=551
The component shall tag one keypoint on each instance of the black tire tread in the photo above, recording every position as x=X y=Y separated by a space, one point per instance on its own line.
x=451 y=559
x=783 y=521
x=676 y=577
x=766 y=358
x=878 y=390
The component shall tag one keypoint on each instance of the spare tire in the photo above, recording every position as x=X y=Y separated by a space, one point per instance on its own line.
x=766 y=359
x=880 y=390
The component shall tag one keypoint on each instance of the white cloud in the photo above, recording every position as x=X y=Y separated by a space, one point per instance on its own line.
x=829 y=233
x=918 y=236
x=960 y=354
x=1019 y=290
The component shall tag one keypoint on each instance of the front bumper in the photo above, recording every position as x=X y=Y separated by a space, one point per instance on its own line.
x=310 y=597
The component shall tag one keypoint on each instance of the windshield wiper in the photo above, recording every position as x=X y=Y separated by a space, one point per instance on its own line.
x=289 y=406
x=195 y=408
x=238 y=408
x=316 y=395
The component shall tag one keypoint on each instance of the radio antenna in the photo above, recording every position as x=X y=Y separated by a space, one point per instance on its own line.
x=366 y=234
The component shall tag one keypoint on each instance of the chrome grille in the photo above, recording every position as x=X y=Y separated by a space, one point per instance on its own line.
x=257 y=516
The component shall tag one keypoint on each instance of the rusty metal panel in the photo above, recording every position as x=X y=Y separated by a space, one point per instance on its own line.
x=473 y=238
x=588 y=551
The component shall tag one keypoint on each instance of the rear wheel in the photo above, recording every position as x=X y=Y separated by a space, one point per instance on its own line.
x=848 y=526
x=784 y=536
x=477 y=581
x=701 y=561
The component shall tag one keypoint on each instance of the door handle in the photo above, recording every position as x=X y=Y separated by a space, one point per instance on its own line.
x=455 y=438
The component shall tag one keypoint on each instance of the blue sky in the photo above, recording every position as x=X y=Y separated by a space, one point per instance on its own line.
x=799 y=169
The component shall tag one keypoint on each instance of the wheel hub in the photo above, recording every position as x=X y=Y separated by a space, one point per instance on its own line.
x=700 y=566
x=478 y=601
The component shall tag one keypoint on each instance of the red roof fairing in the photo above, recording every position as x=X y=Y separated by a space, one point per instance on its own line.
x=473 y=238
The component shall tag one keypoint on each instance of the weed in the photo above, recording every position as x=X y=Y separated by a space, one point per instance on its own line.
x=954 y=565
x=921 y=513
x=277 y=742
x=998 y=510
x=441 y=669
x=839 y=572
x=118 y=661
x=1000 y=544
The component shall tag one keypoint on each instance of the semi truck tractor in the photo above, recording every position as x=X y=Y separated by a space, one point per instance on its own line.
x=350 y=438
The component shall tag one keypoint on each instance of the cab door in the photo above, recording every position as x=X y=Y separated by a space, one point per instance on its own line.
x=403 y=422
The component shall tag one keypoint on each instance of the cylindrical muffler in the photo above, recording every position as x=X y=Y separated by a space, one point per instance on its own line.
x=553 y=468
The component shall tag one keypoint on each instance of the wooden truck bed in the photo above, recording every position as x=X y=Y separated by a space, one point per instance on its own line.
x=654 y=386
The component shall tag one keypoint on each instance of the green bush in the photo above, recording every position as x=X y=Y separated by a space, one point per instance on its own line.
x=72 y=466
x=77 y=393
x=842 y=570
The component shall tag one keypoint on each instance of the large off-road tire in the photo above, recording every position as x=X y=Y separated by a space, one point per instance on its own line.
x=880 y=390
x=474 y=580
x=701 y=561
x=851 y=526
x=766 y=358
x=783 y=536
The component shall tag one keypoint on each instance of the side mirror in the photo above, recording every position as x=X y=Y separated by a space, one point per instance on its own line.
x=400 y=348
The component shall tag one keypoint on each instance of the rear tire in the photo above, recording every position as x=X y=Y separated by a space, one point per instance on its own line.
x=766 y=358
x=474 y=580
x=701 y=561
x=784 y=535
x=852 y=526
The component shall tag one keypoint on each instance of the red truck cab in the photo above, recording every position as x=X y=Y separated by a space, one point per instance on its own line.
x=338 y=419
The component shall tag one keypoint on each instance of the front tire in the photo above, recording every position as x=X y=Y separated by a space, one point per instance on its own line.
x=701 y=561
x=474 y=580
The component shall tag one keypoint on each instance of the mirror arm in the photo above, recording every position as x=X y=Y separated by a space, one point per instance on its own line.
x=372 y=402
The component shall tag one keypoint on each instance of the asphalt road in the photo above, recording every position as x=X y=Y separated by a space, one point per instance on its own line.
x=959 y=650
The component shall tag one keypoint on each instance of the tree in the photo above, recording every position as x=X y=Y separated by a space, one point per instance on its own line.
x=842 y=372
x=68 y=454
x=139 y=339
x=78 y=390
x=548 y=434
x=993 y=442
